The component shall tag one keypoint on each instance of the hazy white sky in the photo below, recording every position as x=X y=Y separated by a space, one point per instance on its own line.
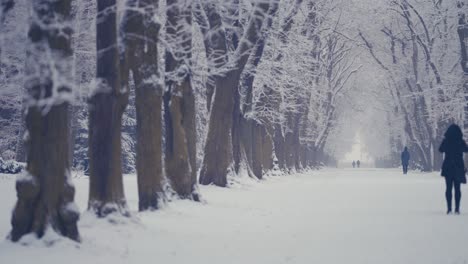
x=357 y=153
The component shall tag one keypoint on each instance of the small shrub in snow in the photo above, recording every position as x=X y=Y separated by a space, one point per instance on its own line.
x=10 y=166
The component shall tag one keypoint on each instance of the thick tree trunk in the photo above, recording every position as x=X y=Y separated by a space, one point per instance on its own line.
x=149 y=146
x=257 y=149
x=179 y=103
x=20 y=146
x=238 y=131
x=218 y=161
x=290 y=152
x=45 y=192
x=106 y=106
x=280 y=151
x=141 y=57
x=267 y=151
x=303 y=156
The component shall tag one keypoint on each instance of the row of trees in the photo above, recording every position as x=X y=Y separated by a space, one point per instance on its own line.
x=418 y=51
x=247 y=87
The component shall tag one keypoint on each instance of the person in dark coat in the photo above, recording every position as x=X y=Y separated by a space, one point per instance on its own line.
x=405 y=157
x=358 y=164
x=354 y=164
x=453 y=167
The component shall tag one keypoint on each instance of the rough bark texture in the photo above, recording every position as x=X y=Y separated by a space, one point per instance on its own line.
x=45 y=193
x=179 y=103
x=44 y=198
x=141 y=58
x=217 y=162
x=20 y=146
x=218 y=159
x=248 y=133
x=279 y=143
x=180 y=140
x=257 y=149
x=106 y=194
x=149 y=148
x=267 y=152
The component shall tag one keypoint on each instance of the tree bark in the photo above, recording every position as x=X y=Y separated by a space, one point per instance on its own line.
x=141 y=57
x=217 y=162
x=267 y=152
x=257 y=149
x=179 y=103
x=45 y=193
x=218 y=159
x=279 y=142
x=106 y=106
x=20 y=146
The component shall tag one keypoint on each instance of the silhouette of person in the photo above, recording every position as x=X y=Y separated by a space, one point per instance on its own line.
x=358 y=163
x=354 y=164
x=453 y=168
x=405 y=157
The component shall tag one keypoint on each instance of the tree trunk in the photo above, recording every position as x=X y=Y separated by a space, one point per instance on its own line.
x=45 y=193
x=280 y=150
x=238 y=131
x=179 y=103
x=267 y=152
x=20 y=146
x=217 y=162
x=141 y=57
x=257 y=149
x=149 y=146
x=218 y=159
x=106 y=106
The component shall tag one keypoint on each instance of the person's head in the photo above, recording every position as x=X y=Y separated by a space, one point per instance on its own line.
x=453 y=133
x=405 y=149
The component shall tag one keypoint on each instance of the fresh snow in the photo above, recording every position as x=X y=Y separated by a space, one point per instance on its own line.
x=341 y=216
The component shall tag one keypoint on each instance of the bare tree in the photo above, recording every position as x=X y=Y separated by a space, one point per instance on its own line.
x=179 y=101
x=45 y=192
x=141 y=35
x=106 y=106
x=218 y=159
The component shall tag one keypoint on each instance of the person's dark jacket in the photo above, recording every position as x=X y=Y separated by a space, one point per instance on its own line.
x=405 y=157
x=453 y=146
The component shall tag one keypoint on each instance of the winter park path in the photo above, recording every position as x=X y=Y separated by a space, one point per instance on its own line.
x=328 y=216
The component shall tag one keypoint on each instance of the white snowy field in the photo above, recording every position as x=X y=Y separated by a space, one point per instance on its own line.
x=328 y=216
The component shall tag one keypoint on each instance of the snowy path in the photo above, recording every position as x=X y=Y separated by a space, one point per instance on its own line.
x=330 y=216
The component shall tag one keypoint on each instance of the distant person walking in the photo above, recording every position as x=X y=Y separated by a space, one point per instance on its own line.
x=453 y=168
x=405 y=157
x=354 y=164
x=358 y=163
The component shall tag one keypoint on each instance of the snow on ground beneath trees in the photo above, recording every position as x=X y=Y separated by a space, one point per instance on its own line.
x=328 y=216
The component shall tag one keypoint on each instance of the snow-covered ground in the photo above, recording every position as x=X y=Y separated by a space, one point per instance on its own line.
x=328 y=216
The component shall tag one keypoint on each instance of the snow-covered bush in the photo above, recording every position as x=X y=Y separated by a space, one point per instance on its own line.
x=10 y=166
